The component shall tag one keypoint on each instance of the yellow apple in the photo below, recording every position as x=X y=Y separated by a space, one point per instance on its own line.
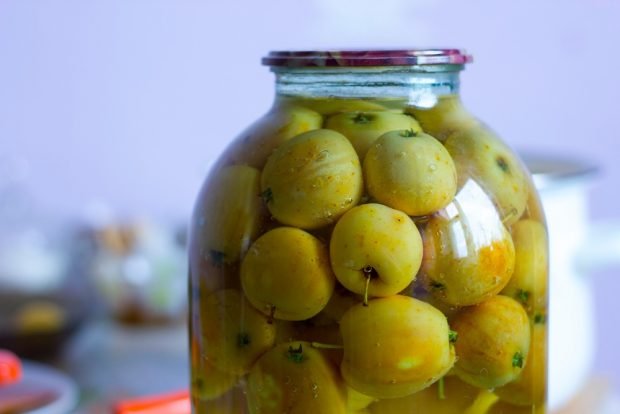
x=445 y=117
x=531 y=386
x=394 y=346
x=312 y=179
x=227 y=218
x=493 y=342
x=375 y=250
x=410 y=171
x=529 y=282
x=453 y=397
x=469 y=255
x=481 y=156
x=260 y=139
x=286 y=274
x=295 y=378
x=233 y=332
x=363 y=128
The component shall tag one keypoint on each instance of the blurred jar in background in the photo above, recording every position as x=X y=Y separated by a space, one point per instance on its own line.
x=139 y=270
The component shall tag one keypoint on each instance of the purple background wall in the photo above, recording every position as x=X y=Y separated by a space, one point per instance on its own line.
x=128 y=102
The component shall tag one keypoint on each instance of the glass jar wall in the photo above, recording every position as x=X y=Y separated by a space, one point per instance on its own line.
x=368 y=246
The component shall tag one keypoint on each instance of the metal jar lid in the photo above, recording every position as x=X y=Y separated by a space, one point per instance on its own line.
x=359 y=58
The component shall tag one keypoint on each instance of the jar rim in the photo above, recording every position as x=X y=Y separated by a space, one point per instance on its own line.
x=359 y=58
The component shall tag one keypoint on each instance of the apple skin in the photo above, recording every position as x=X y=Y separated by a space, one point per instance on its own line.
x=331 y=106
x=528 y=284
x=394 y=346
x=295 y=378
x=410 y=171
x=257 y=142
x=228 y=219
x=372 y=240
x=286 y=274
x=458 y=397
x=312 y=179
x=493 y=342
x=208 y=382
x=469 y=254
x=531 y=386
x=363 y=128
x=444 y=118
x=479 y=155
x=233 y=402
x=233 y=332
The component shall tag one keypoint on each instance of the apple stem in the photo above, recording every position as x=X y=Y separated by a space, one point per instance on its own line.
x=326 y=346
x=272 y=312
x=366 y=289
x=441 y=389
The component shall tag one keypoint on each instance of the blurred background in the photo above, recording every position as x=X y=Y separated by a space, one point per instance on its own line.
x=112 y=112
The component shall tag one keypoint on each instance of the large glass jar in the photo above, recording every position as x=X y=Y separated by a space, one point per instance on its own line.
x=368 y=246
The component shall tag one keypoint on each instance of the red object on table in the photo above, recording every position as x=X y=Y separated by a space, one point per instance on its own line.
x=174 y=403
x=10 y=368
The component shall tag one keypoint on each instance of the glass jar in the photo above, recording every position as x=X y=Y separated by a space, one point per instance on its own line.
x=368 y=246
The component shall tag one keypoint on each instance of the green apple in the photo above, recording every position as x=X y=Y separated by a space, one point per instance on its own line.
x=493 y=342
x=469 y=255
x=312 y=179
x=482 y=157
x=286 y=274
x=452 y=397
x=529 y=282
x=375 y=250
x=530 y=388
x=394 y=346
x=260 y=139
x=227 y=218
x=444 y=118
x=295 y=378
x=363 y=128
x=410 y=171
x=234 y=334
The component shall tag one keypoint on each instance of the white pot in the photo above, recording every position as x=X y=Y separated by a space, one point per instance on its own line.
x=577 y=246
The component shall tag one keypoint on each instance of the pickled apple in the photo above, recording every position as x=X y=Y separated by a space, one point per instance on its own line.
x=286 y=274
x=236 y=333
x=480 y=156
x=327 y=106
x=454 y=397
x=529 y=387
x=375 y=250
x=469 y=255
x=493 y=342
x=281 y=123
x=356 y=400
x=504 y=408
x=229 y=219
x=394 y=346
x=410 y=171
x=295 y=378
x=448 y=115
x=312 y=179
x=208 y=382
x=233 y=402
x=528 y=284
x=363 y=128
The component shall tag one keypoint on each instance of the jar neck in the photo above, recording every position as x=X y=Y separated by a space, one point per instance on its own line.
x=418 y=85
